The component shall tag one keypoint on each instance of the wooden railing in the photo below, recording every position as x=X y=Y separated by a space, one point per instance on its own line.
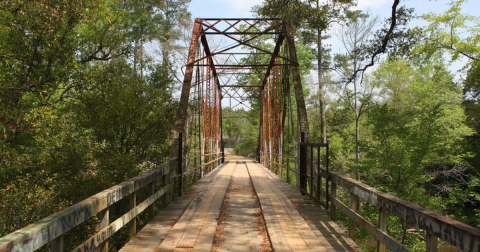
x=52 y=230
x=435 y=225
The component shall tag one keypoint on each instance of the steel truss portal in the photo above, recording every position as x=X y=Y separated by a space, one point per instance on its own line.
x=256 y=59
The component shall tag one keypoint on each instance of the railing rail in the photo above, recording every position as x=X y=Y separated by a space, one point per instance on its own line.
x=458 y=234
x=53 y=228
x=435 y=225
x=312 y=170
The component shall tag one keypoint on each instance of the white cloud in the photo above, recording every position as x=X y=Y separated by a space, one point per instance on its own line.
x=238 y=8
x=363 y=4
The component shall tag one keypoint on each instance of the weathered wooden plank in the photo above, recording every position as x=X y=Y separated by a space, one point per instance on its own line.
x=454 y=232
x=378 y=234
x=206 y=233
x=277 y=236
x=94 y=241
x=329 y=234
x=298 y=232
x=197 y=212
x=153 y=234
x=40 y=233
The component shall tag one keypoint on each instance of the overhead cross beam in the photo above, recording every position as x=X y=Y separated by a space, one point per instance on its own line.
x=254 y=51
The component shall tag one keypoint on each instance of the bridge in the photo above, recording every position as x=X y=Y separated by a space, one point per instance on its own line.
x=202 y=199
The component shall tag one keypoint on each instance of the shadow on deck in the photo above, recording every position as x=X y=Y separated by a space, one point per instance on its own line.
x=191 y=222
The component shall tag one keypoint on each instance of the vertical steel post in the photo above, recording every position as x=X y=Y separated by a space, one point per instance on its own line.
x=297 y=83
x=303 y=165
x=181 y=115
x=327 y=180
x=319 y=178
x=310 y=148
x=180 y=164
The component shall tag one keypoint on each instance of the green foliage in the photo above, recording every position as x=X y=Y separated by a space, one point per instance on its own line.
x=82 y=107
x=453 y=31
x=422 y=126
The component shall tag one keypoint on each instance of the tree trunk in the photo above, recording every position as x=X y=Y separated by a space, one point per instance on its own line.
x=321 y=94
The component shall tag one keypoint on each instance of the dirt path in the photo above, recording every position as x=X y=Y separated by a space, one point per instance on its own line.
x=241 y=226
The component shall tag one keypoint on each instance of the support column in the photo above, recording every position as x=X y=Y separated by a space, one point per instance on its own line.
x=297 y=83
x=187 y=84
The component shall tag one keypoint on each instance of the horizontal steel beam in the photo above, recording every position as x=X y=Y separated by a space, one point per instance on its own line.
x=240 y=86
x=227 y=117
x=241 y=33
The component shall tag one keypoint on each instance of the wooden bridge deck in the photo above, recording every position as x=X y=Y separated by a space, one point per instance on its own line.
x=241 y=206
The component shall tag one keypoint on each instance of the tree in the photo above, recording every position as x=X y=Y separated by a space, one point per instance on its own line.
x=417 y=130
x=354 y=35
x=78 y=112
x=419 y=123
x=453 y=32
x=307 y=16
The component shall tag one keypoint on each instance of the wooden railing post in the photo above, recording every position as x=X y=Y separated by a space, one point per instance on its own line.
x=432 y=243
x=104 y=219
x=352 y=225
x=57 y=244
x=165 y=196
x=382 y=225
x=180 y=164
x=151 y=191
x=303 y=165
x=133 y=222
x=333 y=208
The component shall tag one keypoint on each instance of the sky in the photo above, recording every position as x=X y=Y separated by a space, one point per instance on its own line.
x=381 y=8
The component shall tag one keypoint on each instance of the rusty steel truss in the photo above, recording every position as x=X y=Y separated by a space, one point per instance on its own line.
x=240 y=60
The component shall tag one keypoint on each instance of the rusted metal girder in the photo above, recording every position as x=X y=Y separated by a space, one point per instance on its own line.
x=187 y=84
x=244 y=56
x=297 y=83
